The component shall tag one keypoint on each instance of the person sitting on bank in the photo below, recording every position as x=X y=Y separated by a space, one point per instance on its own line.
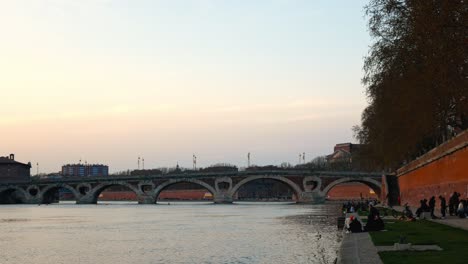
x=373 y=211
x=422 y=208
x=461 y=209
x=374 y=222
x=354 y=225
x=407 y=214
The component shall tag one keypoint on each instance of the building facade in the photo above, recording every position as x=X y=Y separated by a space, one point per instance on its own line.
x=343 y=152
x=82 y=170
x=14 y=171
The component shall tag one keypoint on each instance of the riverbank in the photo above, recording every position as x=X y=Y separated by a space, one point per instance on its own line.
x=453 y=241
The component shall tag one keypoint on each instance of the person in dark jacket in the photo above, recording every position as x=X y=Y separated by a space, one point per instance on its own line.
x=456 y=202
x=355 y=226
x=452 y=204
x=443 y=206
x=432 y=202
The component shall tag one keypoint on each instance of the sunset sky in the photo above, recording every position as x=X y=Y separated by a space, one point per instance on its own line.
x=107 y=81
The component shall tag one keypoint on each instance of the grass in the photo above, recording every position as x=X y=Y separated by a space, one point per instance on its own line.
x=363 y=213
x=453 y=241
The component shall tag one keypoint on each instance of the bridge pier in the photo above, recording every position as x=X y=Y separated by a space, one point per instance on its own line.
x=87 y=199
x=32 y=200
x=313 y=197
x=146 y=199
x=222 y=197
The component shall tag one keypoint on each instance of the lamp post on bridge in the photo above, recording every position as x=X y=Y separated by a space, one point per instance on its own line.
x=194 y=161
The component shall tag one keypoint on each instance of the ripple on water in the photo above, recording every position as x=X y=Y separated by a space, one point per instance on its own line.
x=252 y=233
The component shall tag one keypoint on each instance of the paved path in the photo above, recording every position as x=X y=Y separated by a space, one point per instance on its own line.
x=453 y=221
x=412 y=248
x=357 y=248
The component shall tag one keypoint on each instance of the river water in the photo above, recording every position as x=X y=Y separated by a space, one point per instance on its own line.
x=175 y=233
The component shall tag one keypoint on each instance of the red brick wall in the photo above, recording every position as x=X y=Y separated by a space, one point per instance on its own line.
x=350 y=191
x=168 y=194
x=441 y=171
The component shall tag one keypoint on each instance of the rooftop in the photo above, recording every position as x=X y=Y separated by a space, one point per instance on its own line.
x=11 y=160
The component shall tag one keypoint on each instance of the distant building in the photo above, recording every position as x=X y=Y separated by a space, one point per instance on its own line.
x=13 y=171
x=82 y=170
x=343 y=152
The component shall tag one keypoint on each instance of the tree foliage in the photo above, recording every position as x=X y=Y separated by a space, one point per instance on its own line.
x=416 y=78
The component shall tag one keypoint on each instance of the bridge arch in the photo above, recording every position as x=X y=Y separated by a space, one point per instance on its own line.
x=375 y=185
x=170 y=182
x=49 y=190
x=96 y=191
x=297 y=190
x=6 y=195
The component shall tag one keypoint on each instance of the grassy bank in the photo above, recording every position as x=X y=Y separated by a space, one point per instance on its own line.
x=453 y=241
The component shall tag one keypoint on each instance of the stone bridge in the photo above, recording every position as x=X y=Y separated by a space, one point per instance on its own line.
x=307 y=186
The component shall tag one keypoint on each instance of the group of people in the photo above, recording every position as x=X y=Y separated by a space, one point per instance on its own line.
x=374 y=221
x=354 y=206
x=456 y=206
x=424 y=207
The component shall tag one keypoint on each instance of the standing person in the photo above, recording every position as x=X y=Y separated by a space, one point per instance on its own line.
x=452 y=203
x=432 y=202
x=443 y=206
x=456 y=202
x=425 y=207
x=420 y=209
x=466 y=207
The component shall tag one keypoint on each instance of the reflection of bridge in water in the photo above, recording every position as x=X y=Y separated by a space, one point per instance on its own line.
x=307 y=186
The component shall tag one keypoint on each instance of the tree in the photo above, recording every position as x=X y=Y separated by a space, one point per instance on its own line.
x=416 y=78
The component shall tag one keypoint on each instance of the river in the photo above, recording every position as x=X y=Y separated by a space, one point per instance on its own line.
x=176 y=233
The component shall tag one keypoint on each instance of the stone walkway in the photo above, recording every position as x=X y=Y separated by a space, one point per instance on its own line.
x=412 y=248
x=453 y=221
x=357 y=248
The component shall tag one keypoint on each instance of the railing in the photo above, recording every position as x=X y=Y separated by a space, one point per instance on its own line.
x=286 y=173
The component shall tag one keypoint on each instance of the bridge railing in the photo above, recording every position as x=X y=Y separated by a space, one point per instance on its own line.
x=285 y=173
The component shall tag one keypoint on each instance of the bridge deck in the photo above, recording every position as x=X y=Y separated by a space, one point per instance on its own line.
x=286 y=173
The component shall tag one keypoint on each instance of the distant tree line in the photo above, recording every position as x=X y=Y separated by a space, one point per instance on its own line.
x=416 y=78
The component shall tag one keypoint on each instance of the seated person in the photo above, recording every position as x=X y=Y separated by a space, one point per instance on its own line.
x=407 y=214
x=461 y=209
x=354 y=225
x=374 y=224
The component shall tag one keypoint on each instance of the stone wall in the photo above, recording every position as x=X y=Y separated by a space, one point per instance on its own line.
x=441 y=171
